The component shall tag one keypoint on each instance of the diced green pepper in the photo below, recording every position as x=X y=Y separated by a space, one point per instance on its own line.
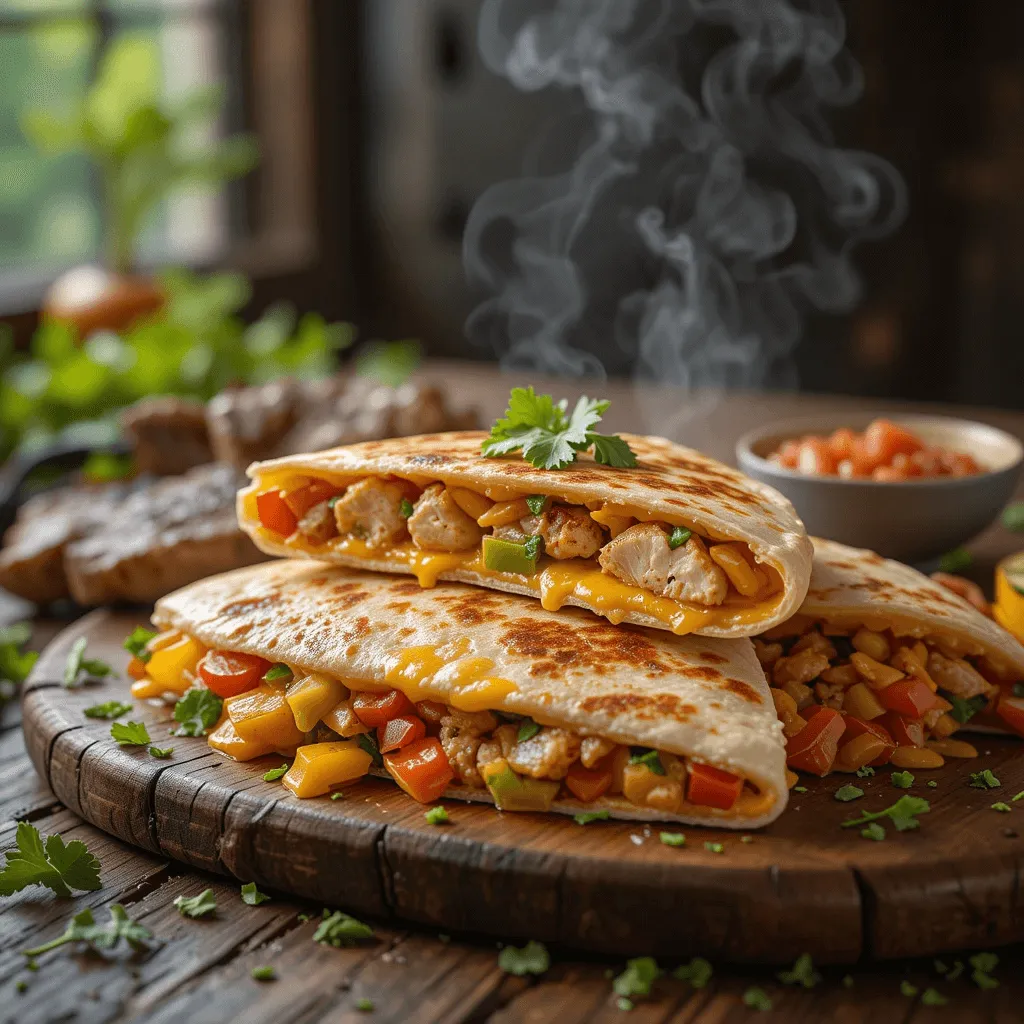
x=507 y=556
x=679 y=536
x=535 y=503
x=512 y=792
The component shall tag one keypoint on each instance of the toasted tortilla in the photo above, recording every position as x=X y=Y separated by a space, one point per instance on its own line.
x=670 y=484
x=702 y=698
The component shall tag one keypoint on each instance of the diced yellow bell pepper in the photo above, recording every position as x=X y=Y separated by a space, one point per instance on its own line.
x=312 y=696
x=172 y=668
x=262 y=716
x=473 y=504
x=319 y=766
x=225 y=739
x=342 y=719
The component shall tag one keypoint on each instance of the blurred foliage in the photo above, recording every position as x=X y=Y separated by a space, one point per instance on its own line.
x=145 y=146
x=196 y=346
x=389 y=362
x=15 y=662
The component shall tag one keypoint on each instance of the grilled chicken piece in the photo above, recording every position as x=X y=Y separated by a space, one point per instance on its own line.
x=593 y=748
x=567 y=532
x=168 y=434
x=371 y=510
x=438 y=524
x=546 y=755
x=318 y=525
x=163 y=536
x=641 y=557
x=958 y=676
x=461 y=735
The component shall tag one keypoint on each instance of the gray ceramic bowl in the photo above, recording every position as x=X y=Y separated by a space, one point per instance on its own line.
x=911 y=521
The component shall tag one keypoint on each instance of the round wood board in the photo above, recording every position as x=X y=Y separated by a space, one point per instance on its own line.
x=802 y=885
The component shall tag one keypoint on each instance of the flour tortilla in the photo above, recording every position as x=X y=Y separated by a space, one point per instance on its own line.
x=703 y=698
x=674 y=484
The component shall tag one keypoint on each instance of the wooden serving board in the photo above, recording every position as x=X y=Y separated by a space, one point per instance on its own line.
x=802 y=885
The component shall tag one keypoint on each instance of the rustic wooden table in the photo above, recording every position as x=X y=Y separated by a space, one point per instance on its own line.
x=201 y=970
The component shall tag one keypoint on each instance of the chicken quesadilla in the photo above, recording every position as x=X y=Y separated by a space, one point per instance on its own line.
x=884 y=665
x=453 y=691
x=679 y=542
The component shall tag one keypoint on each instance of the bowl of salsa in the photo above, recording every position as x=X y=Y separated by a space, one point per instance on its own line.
x=910 y=487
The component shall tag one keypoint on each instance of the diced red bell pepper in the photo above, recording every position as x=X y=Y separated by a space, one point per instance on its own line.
x=810 y=711
x=421 y=769
x=857 y=726
x=376 y=709
x=400 y=732
x=228 y=673
x=431 y=711
x=713 y=787
x=908 y=697
x=302 y=499
x=813 y=748
x=588 y=784
x=1011 y=711
x=907 y=732
x=274 y=514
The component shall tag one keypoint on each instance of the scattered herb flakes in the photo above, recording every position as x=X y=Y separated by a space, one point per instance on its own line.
x=532 y=958
x=958 y=969
x=865 y=772
x=197 y=711
x=528 y=728
x=697 y=972
x=276 y=773
x=364 y=1005
x=21 y=986
x=847 y=793
x=902 y=780
x=15 y=664
x=638 y=977
x=302 y=918
x=586 y=817
x=130 y=734
x=649 y=758
x=908 y=990
x=338 y=795
x=746 y=839
x=197 y=906
x=439 y=816
x=932 y=784
x=46 y=860
x=1013 y=517
x=903 y=814
x=532 y=548
x=714 y=847
x=109 y=710
x=624 y=1004
x=278 y=671
x=1018 y=796
x=535 y=503
x=940 y=967
x=983 y=964
x=1000 y=806
x=265 y=973
x=405 y=508
x=933 y=997
x=984 y=780
x=672 y=838
x=847 y=981
x=757 y=999
x=161 y=753
x=369 y=744
x=956 y=561
x=964 y=709
x=135 y=643
x=339 y=929
x=78 y=667
x=679 y=536
x=252 y=896
x=83 y=928
x=801 y=973
x=799 y=789
x=550 y=439
x=873 y=831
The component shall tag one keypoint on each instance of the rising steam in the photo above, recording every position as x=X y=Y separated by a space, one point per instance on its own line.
x=706 y=208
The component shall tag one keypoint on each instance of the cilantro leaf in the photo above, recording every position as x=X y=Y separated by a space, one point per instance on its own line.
x=339 y=929
x=697 y=972
x=902 y=780
x=83 y=928
x=984 y=780
x=278 y=671
x=638 y=977
x=436 y=816
x=757 y=999
x=197 y=906
x=874 y=831
x=865 y=772
x=162 y=753
x=135 y=643
x=197 y=711
x=528 y=728
x=252 y=896
x=714 y=847
x=983 y=964
x=847 y=793
x=130 y=734
x=532 y=958
x=108 y=710
x=535 y=503
x=964 y=710
x=611 y=450
x=369 y=744
x=1000 y=806
x=15 y=664
x=78 y=666
x=801 y=973
x=48 y=861
x=908 y=990
x=933 y=997
x=649 y=758
x=903 y=814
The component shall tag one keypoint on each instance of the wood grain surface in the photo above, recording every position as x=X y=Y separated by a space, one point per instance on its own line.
x=803 y=883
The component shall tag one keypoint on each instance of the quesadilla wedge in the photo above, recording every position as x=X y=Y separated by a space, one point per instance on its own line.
x=459 y=692
x=884 y=665
x=679 y=542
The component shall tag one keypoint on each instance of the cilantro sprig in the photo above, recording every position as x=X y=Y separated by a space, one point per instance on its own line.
x=83 y=928
x=197 y=906
x=46 y=860
x=903 y=814
x=78 y=667
x=532 y=958
x=550 y=437
x=197 y=711
x=135 y=643
x=339 y=929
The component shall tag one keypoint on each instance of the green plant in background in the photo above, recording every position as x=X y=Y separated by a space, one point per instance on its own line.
x=145 y=146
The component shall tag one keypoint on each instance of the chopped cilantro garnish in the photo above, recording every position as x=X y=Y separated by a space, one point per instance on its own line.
x=624 y=1004
x=956 y=560
x=801 y=973
x=679 y=536
x=130 y=734
x=983 y=964
x=984 y=780
x=672 y=838
x=873 y=831
x=902 y=780
x=276 y=773
x=903 y=814
x=532 y=958
x=369 y=744
x=958 y=969
x=46 y=860
x=638 y=977
x=551 y=439
x=649 y=758
x=108 y=710
x=757 y=999
x=746 y=839
x=339 y=929
x=197 y=711
x=252 y=896
x=933 y=997
x=908 y=990
x=15 y=664
x=586 y=817
x=963 y=710
x=405 y=508
x=265 y=973
x=528 y=728
x=714 y=847
x=83 y=928
x=799 y=789
x=21 y=986
x=196 y=906
x=1000 y=806
x=161 y=753
x=865 y=772
x=847 y=793
x=78 y=668
x=364 y=1005
x=697 y=972
x=437 y=816
x=135 y=643
x=338 y=795
x=535 y=503
x=533 y=546
x=932 y=784
x=1017 y=796
x=278 y=671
